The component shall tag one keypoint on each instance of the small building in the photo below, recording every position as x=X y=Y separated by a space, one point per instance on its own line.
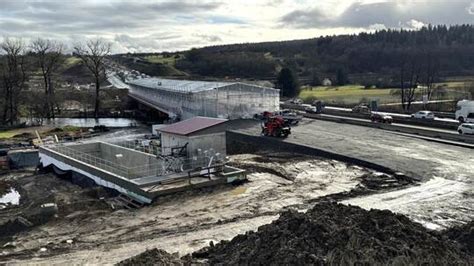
x=194 y=136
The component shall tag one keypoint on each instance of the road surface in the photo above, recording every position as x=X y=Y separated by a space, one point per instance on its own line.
x=444 y=197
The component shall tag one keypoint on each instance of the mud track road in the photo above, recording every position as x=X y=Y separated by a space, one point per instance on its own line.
x=445 y=194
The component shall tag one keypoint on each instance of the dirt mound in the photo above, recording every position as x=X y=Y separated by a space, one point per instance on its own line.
x=464 y=235
x=153 y=257
x=336 y=234
x=330 y=233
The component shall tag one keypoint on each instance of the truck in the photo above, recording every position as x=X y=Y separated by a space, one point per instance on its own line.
x=465 y=111
x=292 y=117
x=276 y=126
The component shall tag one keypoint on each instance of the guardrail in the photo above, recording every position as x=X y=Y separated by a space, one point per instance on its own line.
x=396 y=119
x=408 y=130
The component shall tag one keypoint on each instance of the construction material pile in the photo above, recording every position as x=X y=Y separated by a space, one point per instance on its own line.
x=464 y=235
x=332 y=233
x=153 y=257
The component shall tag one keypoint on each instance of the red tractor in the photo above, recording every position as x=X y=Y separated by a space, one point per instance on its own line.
x=276 y=126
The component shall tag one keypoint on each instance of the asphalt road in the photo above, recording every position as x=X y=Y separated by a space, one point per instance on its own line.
x=393 y=114
x=454 y=132
x=410 y=155
x=445 y=195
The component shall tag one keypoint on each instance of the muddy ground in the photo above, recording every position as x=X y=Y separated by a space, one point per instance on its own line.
x=329 y=234
x=87 y=230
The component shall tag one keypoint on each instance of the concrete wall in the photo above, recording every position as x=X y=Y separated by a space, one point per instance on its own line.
x=138 y=163
x=89 y=148
x=169 y=141
x=215 y=141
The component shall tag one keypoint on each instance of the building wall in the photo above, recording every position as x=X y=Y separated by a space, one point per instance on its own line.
x=232 y=101
x=214 y=141
x=169 y=141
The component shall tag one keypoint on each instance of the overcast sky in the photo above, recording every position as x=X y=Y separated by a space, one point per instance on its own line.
x=146 y=26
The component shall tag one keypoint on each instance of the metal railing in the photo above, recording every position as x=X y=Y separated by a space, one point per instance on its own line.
x=163 y=166
x=92 y=160
x=146 y=146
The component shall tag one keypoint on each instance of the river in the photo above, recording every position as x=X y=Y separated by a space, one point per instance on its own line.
x=88 y=122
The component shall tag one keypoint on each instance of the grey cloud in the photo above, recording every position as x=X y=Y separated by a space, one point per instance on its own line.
x=122 y=14
x=124 y=18
x=387 y=13
x=162 y=41
x=209 y=38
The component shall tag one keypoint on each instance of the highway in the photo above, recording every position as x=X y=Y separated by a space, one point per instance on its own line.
x=454 y=132
x=391 y=114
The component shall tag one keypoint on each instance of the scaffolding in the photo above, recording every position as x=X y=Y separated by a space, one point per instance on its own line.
x=211 y=99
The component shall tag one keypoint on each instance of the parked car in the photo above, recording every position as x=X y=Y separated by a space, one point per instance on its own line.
x=296 y=101
x=361 y=109
x=306 y=107
x=381 y=118
x=466 y=128
x=312 y=110
x=423 y=115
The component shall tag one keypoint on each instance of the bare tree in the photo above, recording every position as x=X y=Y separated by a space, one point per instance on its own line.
x=409 y=79
x=93 y=54
x=48 y=57
x=13 y=77
x=430 y=76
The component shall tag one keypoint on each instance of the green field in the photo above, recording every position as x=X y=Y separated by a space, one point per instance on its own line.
x=71 y=60
x=354 y=94
x=160 y=59
x=349 y=94
x=8 y=134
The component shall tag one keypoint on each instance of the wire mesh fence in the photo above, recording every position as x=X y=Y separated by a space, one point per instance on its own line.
x=163 y=166
x=144 y=145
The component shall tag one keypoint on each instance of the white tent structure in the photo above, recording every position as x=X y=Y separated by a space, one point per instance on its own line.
x=187 y=98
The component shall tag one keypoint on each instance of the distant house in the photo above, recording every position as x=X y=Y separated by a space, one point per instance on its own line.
x=326 y=82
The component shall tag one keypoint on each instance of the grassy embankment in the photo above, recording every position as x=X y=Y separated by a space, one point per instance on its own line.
x=165 y=65
x=354 y=94
x=29 y=132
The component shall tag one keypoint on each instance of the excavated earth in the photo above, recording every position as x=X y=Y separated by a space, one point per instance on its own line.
x=331 y=234
x=86 y=230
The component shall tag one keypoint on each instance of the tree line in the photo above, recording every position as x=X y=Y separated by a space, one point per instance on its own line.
x=20 y=61
x=380 y=52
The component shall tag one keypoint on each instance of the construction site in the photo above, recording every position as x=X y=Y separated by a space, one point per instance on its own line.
x=280 y=187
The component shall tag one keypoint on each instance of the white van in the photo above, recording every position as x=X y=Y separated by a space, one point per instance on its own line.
x=465 y=111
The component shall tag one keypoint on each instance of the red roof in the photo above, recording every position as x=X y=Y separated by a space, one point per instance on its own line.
x=192 y=125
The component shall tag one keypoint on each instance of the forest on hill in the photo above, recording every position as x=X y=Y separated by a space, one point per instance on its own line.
x=449 y=50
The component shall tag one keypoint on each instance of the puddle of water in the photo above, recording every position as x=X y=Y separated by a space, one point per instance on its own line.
x=11 y=198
